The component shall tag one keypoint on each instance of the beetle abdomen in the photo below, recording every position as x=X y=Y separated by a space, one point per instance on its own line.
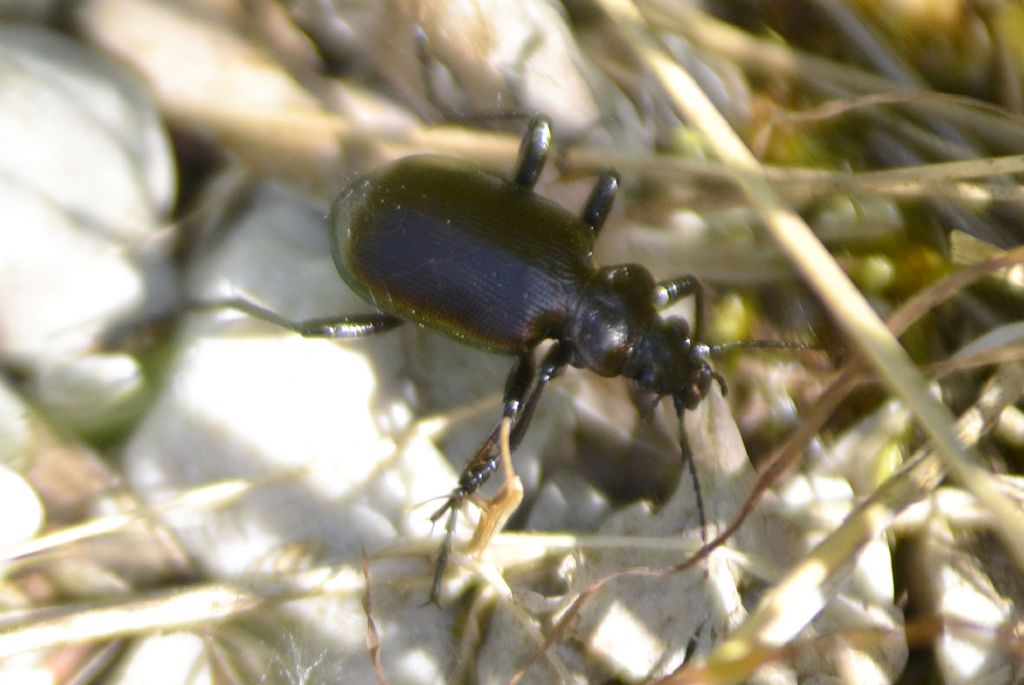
x=459 y=250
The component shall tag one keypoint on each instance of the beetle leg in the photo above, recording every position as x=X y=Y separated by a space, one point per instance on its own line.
x=479 y=468
x=358 y=326
x=551 y=366
x=533 y=152
x=668 y=292
x=599 y=203
x=520 y=402
x=482 y=465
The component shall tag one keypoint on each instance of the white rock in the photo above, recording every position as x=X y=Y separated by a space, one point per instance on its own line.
x=247 y=399
x=85 y=179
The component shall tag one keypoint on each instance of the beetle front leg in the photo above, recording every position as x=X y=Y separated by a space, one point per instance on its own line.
x=669 y=292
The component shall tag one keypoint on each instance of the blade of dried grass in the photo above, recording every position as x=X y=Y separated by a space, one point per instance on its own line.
x=372 y=636
x=178 y=609
x=837 y=107
x=938 y=180
x=164 y=611
x=769 y=57
x=210 y=496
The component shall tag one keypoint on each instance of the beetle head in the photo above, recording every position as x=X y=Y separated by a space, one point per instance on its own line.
x=667 y=362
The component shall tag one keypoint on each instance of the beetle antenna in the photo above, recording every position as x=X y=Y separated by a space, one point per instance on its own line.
x=723 y=348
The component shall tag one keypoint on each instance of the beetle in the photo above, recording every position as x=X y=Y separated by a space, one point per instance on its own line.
x=439 y=242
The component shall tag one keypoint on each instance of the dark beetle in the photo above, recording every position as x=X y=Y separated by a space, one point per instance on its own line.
x=434 y=240
x=438 y=242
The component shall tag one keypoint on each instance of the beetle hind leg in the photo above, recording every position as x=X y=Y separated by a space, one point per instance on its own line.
x=342 y=327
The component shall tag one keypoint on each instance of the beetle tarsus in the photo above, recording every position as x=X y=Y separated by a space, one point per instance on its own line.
x=446 y=546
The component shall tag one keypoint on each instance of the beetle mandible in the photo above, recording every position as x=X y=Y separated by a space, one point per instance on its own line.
x=436 y=241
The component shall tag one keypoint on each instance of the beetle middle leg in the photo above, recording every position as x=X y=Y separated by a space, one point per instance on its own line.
x=599 y=204
x=533 y=152
x=523 y=389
